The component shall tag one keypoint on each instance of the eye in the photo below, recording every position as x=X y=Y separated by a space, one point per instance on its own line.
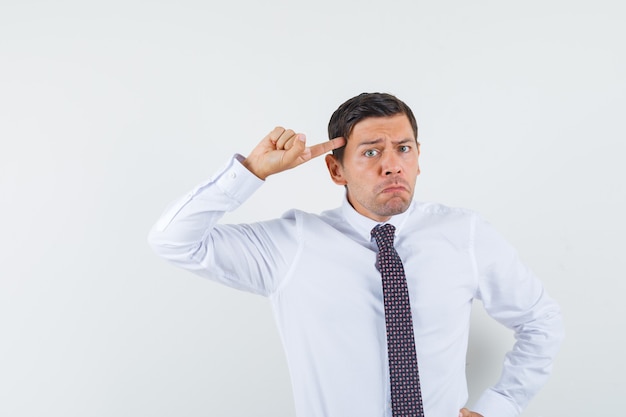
x=404 y=148
x=370 y=153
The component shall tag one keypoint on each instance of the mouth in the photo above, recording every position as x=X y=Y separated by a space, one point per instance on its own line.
x=395 y=187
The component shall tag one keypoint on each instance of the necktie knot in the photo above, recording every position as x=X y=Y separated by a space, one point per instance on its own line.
x=384 y=235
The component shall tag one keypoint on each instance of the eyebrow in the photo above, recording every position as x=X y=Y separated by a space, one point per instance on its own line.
x=379 y=140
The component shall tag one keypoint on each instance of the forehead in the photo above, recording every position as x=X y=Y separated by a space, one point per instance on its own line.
x=397 y=126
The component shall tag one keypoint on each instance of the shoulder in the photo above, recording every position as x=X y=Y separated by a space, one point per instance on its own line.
x=441 y=220
x=296 y=216
x=326 y=224
x=441 y=210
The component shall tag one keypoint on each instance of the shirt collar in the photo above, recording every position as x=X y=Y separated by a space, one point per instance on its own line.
x=363 y=225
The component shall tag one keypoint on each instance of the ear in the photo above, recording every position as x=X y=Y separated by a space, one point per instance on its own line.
x=335 y=170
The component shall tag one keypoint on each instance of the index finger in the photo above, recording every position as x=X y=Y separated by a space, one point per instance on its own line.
x=322 y=148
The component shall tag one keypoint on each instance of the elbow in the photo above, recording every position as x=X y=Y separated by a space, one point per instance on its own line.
x=178 y=251
x=164 y=246
x=543 y=335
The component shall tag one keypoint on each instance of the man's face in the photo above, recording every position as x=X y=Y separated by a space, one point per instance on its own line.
x=379 y=167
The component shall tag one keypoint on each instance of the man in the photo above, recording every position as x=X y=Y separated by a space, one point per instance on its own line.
x=329 y=280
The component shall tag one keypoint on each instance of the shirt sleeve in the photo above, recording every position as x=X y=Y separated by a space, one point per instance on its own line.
x=515 y=297
x=250 y=257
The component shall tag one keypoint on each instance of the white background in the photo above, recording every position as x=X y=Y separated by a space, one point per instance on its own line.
x=110 y=110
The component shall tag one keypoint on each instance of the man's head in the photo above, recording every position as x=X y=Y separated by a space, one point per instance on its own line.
x=379 y=163
x=361 y=107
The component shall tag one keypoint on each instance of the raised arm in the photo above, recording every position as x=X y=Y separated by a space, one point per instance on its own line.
x=249 y=257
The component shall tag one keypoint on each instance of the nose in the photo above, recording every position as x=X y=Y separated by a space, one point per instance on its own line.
x=390 y=163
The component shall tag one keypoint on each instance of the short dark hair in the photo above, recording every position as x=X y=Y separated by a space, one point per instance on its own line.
x=361 y=107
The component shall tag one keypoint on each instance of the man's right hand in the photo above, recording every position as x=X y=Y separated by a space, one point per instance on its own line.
x=283 y=149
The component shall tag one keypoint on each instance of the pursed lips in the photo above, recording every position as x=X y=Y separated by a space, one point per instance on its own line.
x=394 y=186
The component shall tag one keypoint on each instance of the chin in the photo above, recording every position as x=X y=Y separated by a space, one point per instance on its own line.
x=393 y=208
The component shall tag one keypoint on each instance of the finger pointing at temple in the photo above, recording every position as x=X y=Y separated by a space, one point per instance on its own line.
x=283 y=149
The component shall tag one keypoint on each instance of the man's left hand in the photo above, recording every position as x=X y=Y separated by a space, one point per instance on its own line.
x=467 y=413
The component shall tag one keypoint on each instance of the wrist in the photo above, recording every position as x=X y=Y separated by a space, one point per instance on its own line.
x=250 y=166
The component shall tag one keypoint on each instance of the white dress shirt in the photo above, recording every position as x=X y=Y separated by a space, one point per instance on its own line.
x=319 y=274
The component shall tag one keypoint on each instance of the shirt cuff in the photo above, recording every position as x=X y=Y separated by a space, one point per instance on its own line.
x=237 y=181
x=493 y=404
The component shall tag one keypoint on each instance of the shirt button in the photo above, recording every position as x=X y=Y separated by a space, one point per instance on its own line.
x=232 y=175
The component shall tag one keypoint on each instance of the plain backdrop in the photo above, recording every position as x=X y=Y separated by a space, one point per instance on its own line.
x=110 y=110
